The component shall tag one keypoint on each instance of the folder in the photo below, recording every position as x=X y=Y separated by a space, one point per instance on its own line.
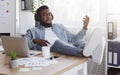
x=116 y=53
x=110 y=52
x=112 y=30
x=110 y=58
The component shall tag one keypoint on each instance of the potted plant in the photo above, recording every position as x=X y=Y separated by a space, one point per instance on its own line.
x=13 y=62
x=35 y=5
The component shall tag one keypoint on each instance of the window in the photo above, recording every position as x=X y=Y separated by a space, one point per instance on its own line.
x=71 y=12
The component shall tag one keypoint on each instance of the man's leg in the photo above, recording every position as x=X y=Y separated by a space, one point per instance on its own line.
x=65 y=48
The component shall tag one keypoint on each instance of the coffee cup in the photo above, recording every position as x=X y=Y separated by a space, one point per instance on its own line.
x=46 y=52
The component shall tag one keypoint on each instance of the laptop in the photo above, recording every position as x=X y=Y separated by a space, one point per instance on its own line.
x=17 y=44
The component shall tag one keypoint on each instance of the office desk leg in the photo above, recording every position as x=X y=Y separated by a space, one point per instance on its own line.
x=83 y=70
x=78 y=70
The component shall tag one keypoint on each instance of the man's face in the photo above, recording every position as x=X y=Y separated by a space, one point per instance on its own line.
x=46 y=17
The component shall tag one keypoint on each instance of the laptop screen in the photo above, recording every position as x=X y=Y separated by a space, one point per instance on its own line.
x=17 y=44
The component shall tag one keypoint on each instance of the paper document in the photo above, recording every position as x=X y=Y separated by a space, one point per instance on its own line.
x=35 y=61
x=1 y=48
x=24 y=69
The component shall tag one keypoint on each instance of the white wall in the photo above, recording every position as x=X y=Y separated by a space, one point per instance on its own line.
x=107 y=8
x=113 y=6
x=7 y=16
x=113 y=13
x=95 y=9
x=26 y=19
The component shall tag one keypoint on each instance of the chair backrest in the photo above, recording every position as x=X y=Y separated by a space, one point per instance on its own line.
x=97 y=55
x=91 y=45
x=95 y=46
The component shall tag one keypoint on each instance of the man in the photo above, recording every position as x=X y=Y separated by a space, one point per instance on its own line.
x=59 y=39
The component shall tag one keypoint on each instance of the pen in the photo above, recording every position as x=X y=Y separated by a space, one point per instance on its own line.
x=53 y=57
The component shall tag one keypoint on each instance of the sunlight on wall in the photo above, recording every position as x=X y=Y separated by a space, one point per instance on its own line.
x=114 y=13
x=71 y=13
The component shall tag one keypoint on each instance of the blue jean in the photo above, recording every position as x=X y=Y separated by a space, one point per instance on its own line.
x=65 y=48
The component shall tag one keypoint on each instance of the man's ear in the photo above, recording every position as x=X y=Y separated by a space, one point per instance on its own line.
x=36 y=17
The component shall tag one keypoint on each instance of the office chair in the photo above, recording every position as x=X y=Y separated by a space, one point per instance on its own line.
x=97 y=55
x=95 y=48
x=96 y=65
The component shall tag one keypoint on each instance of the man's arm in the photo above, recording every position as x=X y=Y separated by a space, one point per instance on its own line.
x=82 y=33
x=40 y=42
x=85 y=22
x=29 y=37
x=33 y=42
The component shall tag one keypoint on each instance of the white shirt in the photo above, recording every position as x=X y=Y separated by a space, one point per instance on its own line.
x=50 y=36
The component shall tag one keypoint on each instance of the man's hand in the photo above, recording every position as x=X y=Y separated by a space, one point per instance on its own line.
x=85 y=22
x=41 y=42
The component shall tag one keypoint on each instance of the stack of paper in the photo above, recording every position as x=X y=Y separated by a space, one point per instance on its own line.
x=35 y=61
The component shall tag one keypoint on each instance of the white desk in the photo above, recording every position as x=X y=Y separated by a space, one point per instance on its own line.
x=68 y=65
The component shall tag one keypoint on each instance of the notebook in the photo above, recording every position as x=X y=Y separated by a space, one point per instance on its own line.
x=17 y=44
